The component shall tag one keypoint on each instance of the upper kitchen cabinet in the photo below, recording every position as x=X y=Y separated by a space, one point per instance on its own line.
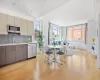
x=10 y=20
x=23 y=27
x=17 y=22
x=30 y=28
x=3 y=23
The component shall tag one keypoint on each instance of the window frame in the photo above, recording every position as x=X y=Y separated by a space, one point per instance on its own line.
x=58 y=29
x=79 y=25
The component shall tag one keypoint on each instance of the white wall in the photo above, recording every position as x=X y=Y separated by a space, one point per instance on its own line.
x=95 y=31
x=91 y=33
x=45 y=31
x=97 y=19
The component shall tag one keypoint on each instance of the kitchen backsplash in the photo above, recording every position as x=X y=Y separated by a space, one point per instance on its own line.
x=5 y=39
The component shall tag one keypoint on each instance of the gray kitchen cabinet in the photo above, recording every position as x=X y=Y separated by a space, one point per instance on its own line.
x=13 y=53
x=2 y=55
x=21 y=52
x=25 y=51
x=10 y=54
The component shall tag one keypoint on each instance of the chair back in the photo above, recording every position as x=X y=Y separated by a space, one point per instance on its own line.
x=45 y=48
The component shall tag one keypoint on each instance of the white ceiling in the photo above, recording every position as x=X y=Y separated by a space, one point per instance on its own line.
x=33 y=8
x=72 y=13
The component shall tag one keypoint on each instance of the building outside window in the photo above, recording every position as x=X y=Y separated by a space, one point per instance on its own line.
x=76 y=33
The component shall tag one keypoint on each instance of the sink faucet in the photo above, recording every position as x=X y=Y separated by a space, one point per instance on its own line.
x=13 y=38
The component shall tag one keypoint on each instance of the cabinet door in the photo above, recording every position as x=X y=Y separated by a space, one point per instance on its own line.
x=2 y=55
x=3 y=23
x=25 y=51
x=10 y=20
x=30 y=28
x=17 y=22
x=23 y=27
x=21 y=52
x=34 y=46
x=10 y=54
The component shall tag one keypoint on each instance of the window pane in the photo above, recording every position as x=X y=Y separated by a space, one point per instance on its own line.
x=70 y=34
x=54 y=33
x=83 y=34
x=77 y=33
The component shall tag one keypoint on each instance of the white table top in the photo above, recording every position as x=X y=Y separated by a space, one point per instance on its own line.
x=56 y=46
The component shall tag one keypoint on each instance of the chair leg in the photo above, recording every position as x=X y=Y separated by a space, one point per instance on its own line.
x=47 y=58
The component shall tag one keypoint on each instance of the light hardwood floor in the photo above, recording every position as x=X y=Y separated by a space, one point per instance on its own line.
x=81 y=66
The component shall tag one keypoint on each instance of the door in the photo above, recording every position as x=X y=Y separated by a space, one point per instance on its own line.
x=2 y=55
x=10 y=54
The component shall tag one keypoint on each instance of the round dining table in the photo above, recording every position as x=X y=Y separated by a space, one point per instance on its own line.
x=55 y=47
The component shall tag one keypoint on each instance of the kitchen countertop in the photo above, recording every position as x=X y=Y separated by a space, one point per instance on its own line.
x=16 y=44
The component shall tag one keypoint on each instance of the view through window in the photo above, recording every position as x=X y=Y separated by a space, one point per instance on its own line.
x=54 y=33
x=76 y=32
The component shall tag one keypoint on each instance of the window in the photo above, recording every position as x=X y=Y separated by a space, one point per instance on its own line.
x=36 y=28
x=54 y=32
x=76 y=32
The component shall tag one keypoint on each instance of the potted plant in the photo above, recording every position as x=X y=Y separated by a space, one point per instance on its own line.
x=93 y=45
x=40 y=40
x=93 y=40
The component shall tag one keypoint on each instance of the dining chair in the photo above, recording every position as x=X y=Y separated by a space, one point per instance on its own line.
x=47 y=54
x=60 y=52
x=66 y=51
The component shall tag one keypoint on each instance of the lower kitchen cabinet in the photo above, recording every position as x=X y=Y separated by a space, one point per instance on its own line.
x=10 y=54
x=25 y=51
x=21 y=52
x=2 y=56
x=13 y=53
